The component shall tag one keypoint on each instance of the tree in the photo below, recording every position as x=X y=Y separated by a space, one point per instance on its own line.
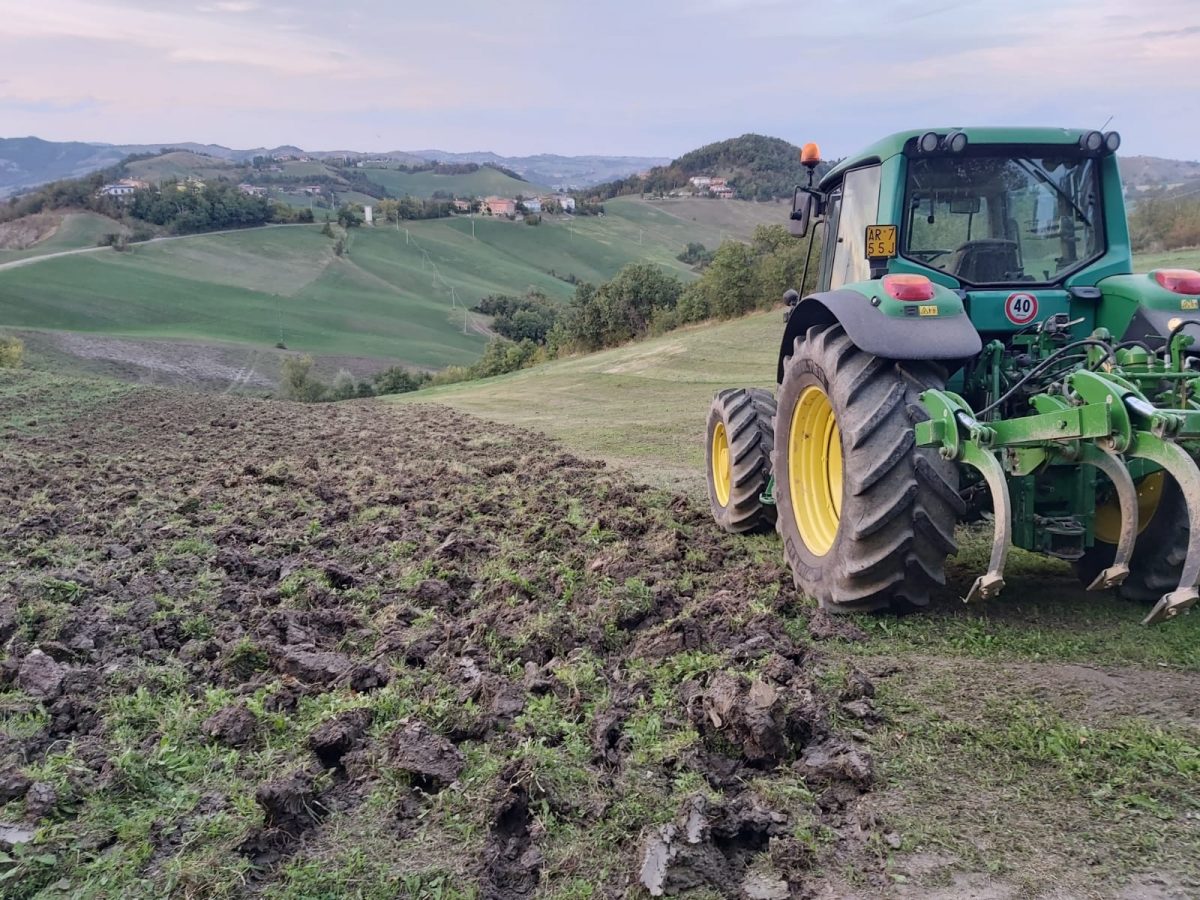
x=298 y=382
x=398 y=380
x=350 y=215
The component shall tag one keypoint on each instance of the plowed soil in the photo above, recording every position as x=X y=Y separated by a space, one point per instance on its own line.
x=264 y=648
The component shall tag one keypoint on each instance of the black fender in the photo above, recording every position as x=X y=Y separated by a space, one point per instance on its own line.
x=948 y=338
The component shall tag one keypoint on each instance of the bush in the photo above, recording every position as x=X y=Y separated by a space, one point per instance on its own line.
x=12 y=351
x=398 y=380
x=299 y=383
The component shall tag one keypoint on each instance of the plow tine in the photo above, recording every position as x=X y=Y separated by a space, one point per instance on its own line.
x=991 y=583
x=1108 y=461
x=1180 y=466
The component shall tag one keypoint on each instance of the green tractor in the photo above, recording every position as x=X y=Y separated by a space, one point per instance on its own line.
x=977 y=344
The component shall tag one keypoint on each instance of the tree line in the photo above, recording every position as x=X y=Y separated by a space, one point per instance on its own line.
x=1165 y=223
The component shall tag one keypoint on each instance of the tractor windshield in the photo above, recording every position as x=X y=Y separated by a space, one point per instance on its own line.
x=1002 y=220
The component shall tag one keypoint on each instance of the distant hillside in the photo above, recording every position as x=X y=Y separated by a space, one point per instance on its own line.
x=29 y=161
x=555 y=171
x=757 y=167
x=1151 y=177
x=179 y=164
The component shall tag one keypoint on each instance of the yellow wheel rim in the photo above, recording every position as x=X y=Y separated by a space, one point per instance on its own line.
x=1108 y=515
x=722 y=470
x=815 y=470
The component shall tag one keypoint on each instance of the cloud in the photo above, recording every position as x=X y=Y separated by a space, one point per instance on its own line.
x=1171 y=33
x=229 y=6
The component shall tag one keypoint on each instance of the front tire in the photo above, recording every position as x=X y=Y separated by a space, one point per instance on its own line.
x=867 y=518
x=739 y=459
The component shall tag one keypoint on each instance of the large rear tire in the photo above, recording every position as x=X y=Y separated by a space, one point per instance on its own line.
x=739 y=459
x=1161 y=548
x=867 y=518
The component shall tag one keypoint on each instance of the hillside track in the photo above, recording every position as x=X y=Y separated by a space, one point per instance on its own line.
x=258 y=646
x=30 y=260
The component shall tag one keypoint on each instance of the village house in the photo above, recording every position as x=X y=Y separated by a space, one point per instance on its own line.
x=565 y=202
x=700 y=181
x=123 y=188
x=462 y=205
x=252 y=190
x=500 y=206
x=532 y=205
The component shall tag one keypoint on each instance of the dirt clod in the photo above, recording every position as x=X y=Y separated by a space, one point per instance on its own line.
x=834 y=760
x=40 y=676
x=825 y=627
x=232 y=726
x=40 y=800
x=337 y=736
x=712 y=846
x=314 y=667
x=13 y=786
x=290 y=804
x=430 y=757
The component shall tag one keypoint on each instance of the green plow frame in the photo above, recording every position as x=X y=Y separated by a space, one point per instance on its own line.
x=1103 y=421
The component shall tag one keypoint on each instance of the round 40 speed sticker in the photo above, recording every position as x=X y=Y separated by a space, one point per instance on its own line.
x=1021 y=308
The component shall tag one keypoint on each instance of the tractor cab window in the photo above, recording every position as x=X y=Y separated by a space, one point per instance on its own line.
x=1002 y=220
x=858 y=208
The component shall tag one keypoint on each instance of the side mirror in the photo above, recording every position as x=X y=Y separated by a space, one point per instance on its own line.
x=806 y=205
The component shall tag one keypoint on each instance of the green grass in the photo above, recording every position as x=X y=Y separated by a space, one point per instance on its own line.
x=390 y=298
x=641 y=405
x=483 y=182
x=1187 y=258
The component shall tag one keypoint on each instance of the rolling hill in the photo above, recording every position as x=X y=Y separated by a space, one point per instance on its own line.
x=27 y=162
x=483 y=182
x=396 y=297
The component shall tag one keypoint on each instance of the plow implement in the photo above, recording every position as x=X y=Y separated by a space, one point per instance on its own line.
x=977 y=346
x=1100 y=420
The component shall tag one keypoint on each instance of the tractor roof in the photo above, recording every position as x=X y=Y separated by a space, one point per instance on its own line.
x=894 y=143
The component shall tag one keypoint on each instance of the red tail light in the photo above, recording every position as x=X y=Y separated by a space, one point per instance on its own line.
x=909 y=288
x=1181 y=281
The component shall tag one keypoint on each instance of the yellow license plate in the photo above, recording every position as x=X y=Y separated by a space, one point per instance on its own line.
x=881 y=241
x=930 y=310
x=1189 y=304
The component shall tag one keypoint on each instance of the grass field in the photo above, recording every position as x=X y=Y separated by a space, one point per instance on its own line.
x=397 y=294
x=483 y=182
x=1019 y=739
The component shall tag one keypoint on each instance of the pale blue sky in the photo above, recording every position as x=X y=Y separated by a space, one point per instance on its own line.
x=655 y=77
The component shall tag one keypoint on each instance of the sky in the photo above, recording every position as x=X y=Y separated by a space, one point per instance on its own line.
x=619 y=77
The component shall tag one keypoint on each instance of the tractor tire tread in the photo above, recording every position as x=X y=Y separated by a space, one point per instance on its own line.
x=900 y=502
x=748 y=414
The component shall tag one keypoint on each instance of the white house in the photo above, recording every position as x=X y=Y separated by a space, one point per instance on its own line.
x=566 y=202
x=532 y=204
